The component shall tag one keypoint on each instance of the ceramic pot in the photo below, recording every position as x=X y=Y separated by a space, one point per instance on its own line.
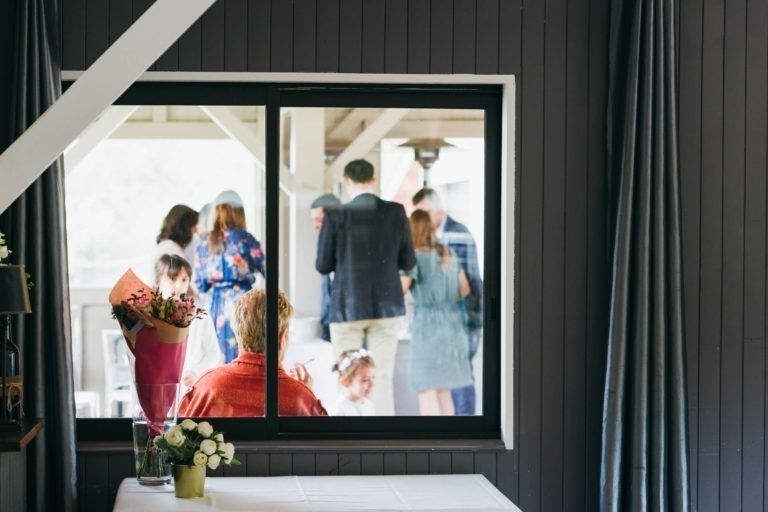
x=188 y=481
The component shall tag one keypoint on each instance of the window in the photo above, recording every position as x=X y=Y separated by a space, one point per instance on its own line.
x=281 y=147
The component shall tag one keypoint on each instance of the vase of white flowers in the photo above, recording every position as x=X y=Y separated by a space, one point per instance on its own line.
x=192 y=448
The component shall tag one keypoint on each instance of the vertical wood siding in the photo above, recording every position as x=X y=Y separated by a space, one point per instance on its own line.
x=556 y=48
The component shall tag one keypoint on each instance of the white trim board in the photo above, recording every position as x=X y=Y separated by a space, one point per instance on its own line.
x=508 y=182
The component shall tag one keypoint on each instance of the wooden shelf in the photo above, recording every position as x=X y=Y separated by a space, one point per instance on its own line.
x=15 y=441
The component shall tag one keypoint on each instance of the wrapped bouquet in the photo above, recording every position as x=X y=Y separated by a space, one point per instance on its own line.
x=156 y=330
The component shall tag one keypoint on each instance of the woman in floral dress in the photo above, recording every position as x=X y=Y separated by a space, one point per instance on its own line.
x=226 y=266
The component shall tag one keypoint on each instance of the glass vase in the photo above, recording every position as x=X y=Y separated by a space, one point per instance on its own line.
x=152 y=468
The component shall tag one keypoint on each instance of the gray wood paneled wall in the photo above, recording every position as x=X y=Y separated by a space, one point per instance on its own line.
x=557 y=50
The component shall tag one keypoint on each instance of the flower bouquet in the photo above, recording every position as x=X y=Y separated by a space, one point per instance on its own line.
x=156 y=330
x=191 y=448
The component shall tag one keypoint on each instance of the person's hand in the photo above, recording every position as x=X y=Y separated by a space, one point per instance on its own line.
x=188 y=378
x=300 y=373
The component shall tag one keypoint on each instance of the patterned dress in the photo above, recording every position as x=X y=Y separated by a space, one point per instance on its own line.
x=223 y=277
x=439 y=338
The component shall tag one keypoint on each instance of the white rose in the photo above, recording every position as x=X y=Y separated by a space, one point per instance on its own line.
x=219 y=438
x=3 y=252
x=175 y=436
x=188 y=424
x=227 y=452
x=213 y=461
x=204 y=429
x=200 y=459
x=208 y=447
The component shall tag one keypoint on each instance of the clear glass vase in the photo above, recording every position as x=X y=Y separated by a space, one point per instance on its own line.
x=152 y=468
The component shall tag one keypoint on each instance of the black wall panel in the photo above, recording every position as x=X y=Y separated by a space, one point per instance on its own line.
x=557 y=51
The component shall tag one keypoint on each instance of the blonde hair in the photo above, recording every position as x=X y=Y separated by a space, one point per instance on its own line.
x=424 y=237
x=352 y=360
x=249 y=319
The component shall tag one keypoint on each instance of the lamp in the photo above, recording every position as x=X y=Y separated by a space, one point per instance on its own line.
x=14 y=299
x=426 y=152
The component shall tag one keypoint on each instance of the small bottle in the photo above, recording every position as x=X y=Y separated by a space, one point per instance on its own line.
x=12 y=357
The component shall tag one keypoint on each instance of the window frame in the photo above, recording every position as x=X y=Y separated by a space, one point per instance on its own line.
x=273 y=97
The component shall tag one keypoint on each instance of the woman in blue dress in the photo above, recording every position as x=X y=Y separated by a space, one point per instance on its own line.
x=439 y=355
x=226 y=266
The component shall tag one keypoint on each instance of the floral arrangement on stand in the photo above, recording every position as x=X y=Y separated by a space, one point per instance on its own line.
x=196 y=444
x=4 y=253
x=155 y=329
x=4 y=250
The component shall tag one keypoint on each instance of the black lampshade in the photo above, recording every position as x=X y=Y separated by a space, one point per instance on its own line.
x=14 y=297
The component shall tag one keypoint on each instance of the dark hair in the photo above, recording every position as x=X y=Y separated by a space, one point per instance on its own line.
x=359 y=171
x=178 y=224
x=427 y=193
x=170 y=265
x=325 y=201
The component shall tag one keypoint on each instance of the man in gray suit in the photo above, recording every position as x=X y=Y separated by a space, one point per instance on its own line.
x=366 y=242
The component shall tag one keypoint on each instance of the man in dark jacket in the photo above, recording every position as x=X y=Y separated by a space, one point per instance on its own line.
x=366 y=242
x=455 y=235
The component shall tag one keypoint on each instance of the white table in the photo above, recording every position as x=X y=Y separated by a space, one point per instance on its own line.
x=322 y=493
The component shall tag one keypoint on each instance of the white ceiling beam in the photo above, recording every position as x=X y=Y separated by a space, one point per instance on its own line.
x=97 y=88
x=352 y=124
x=236 y=129
x=96 y=132
x=366 y=141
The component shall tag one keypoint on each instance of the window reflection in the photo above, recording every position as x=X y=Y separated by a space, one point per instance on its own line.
x=173 y=177
x=364 y=336
x=373 y=345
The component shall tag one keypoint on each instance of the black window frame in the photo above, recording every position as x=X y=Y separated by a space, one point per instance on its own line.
x=273 y=97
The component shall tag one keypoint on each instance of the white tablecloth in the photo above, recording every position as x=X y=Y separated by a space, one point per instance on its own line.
x=322 y=493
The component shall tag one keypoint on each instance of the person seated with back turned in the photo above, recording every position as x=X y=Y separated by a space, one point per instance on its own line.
x=238 y=388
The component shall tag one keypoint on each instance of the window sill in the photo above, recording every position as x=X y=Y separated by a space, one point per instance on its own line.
x=375 y=445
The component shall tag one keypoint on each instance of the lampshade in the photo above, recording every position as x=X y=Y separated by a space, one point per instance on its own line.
x=13 y=290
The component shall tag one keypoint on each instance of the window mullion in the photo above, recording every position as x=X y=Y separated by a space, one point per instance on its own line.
x=272 y=235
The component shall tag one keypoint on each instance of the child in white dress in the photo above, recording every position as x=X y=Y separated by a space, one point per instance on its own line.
x=172 y=277
x=357 y=373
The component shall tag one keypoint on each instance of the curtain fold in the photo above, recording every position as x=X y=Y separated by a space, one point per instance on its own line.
x=644 y=459
x=36 y=232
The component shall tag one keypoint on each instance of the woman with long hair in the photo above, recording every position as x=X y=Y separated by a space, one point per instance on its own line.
x=226 y=266
x=439 y=345
x=176 y=233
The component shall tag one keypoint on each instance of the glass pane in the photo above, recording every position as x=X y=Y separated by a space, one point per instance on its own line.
x=352 y=240
x=119 y=194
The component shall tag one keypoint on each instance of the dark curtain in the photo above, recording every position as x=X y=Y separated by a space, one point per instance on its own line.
x=36 y=233
x=644 y=464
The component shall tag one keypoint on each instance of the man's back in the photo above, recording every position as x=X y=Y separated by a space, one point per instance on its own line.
x=366 y=242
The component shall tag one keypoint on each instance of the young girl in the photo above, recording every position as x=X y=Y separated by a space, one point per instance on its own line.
x=172 y=274
x=357 y=373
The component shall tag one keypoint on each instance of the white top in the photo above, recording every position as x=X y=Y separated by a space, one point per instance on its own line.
x=203 y=352
x=322 y=493
x=346 y=407
x=168 y=246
